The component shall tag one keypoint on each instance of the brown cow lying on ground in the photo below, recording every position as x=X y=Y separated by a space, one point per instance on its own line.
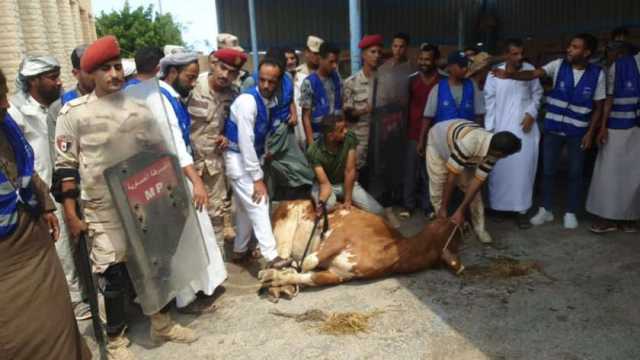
x=358 y=245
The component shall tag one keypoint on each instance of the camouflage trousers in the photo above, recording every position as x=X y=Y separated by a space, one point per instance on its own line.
x=361 y=130
x=219 y=208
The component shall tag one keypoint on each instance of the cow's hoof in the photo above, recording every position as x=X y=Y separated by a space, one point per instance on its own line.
x=286 y=291
x=273 y=294
x=267 y=275
x=289 y=291
x=310 y=262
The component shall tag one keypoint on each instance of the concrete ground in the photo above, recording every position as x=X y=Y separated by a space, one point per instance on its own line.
x=583 y=304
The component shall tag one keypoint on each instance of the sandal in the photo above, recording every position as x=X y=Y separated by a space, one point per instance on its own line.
x=602 y=227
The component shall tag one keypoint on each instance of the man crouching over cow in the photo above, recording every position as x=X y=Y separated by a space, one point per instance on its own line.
x=333 y=159
x=461 y=153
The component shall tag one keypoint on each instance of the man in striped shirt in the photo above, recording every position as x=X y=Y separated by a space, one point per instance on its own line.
x=461 y=153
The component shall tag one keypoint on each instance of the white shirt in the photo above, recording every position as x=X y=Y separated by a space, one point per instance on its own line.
x=552 y=68
x=31 y=117
x=184 y=157
x=244 y=111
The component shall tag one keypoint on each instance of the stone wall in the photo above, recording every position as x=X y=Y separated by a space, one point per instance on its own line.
x=39 y=27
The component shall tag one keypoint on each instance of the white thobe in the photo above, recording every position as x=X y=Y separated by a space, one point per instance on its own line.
x=210 y=278
x=31 y=117
x=302 y=72
x=507 y=102
x=243 y=169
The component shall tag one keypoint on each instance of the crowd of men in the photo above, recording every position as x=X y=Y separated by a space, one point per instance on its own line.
x=290 y=130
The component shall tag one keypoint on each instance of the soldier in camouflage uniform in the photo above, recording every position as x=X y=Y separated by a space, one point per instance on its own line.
x=84 y=146
x=358 y=93
x=209 y=107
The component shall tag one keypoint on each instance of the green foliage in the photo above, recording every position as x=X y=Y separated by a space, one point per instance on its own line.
x=139 y=28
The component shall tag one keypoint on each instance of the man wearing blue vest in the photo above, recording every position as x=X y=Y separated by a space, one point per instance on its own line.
x=33 y=282
x=614 y=195
x=454 y=97
x=247 y=129
x=321 y=92
x=285 y=109
x=178 y=74
x=574 y=107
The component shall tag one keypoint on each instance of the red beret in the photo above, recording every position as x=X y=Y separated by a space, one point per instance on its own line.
x=231 y=57
x=370 y=40
x=102 y=50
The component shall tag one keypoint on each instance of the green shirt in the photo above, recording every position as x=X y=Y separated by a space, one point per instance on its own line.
x=333 y=164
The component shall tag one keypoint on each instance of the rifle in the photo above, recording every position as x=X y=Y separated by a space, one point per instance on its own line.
x=84 y=268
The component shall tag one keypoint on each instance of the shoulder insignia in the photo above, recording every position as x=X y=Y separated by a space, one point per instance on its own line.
x=74 y=103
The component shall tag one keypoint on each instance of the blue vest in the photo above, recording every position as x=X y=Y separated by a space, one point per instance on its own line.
x=132 y=82
x=10 y=196
x=626 y=92
x=320 y=100
x=282 y=111
x=447 y=108
x=184 y=119
x=68 y=96
x=261 y=129
x=569 y=107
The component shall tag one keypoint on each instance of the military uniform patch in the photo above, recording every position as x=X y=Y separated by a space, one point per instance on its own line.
x=63 y=142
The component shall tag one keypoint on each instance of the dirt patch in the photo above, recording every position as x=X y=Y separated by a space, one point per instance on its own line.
x=339 y=323
x=502 y=268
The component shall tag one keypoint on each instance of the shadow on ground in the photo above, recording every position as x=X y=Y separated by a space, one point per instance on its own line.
x=576 y=299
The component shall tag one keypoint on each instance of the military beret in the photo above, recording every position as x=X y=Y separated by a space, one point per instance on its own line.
x=231 y=57
x=99 y=52
x=370 y=40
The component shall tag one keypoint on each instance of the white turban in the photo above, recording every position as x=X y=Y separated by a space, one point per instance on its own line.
x=178 y=59
x=129 y=67
x=34 y=66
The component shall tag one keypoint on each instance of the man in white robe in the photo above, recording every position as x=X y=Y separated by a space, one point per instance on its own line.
x=513 y=106
x=215 y=273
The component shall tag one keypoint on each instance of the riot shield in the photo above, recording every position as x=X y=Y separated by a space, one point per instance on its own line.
x=387 y=135
x=165 y=247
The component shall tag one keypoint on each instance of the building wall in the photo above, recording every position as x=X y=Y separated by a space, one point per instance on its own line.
x=43 y=27
x=287 y=22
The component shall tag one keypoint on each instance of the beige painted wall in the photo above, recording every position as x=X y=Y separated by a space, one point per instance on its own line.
x=39 y=27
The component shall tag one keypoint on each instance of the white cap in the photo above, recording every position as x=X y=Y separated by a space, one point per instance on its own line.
x=228 y=41
x=173 y=49
x=313 y=43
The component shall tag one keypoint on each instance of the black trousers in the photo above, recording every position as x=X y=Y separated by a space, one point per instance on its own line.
x=116 y=288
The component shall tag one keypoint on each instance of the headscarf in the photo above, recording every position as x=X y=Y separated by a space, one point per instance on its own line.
x=129 y=67
x=177 y=59
x=34 y=66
